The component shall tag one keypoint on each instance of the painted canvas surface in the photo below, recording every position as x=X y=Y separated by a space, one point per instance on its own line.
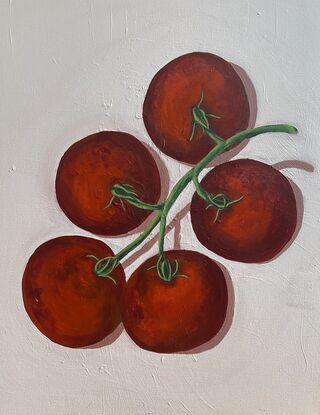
x=165 y=210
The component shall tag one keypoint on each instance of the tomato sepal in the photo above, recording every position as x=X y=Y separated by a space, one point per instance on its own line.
x=126 y=192
x=200 y=118
x=105 y=266
x=166 y=271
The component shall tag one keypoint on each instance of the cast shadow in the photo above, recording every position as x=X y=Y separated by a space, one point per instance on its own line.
x=107 y=340
x=227 y=322
x=226 y=156
x=251 y=93
x=174 y=224
x=296 y=164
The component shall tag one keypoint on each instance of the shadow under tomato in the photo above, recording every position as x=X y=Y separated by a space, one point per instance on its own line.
x=251 y=93
x=227 y=322
x=107 y=340
x=296 y=164
x=175 y=223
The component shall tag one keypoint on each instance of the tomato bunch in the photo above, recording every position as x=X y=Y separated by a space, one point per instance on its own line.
x=74 y=287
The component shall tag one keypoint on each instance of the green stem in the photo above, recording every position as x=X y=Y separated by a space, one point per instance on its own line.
x=215 y=137
x=237 y=138
x=136 y=242
x=212 y=199
x=142 y=205
x=201 y=192
x=123 y=191
x=196 y=170
x=173 y=196
x=193 y=175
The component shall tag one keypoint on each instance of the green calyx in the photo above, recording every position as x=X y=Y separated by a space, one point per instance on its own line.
x=105 y=266
x=121 y=191
x=166 y=271
x=126 y=192
x=200 y=118
x=220 y=201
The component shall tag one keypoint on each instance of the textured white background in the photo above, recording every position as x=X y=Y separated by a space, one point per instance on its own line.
x=70 y=68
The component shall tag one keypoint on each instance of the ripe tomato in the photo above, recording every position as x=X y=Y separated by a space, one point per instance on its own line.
x=89 y=169
x=64 y=298
x=179 y=315
x=177 y=88
x=256 y=228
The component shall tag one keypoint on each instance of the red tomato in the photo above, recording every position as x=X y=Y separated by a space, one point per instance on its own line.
x=89 y=169
x=177 y=88
x=256 y=228
x=179 y=315
x=65 y=299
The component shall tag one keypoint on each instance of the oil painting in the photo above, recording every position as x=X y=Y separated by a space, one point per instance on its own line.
x=161 y=179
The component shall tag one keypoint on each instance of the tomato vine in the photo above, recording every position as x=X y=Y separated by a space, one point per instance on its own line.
x=122 y=191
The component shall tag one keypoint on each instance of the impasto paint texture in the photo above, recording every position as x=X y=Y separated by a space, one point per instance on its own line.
x=157 y=257
x=255 y=216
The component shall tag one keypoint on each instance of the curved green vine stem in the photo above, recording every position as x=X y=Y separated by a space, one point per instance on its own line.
x=136 y=242
x=105 y=266
x=211 y=134
x=220 y=201
x=123 y=191
x=200 y=118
